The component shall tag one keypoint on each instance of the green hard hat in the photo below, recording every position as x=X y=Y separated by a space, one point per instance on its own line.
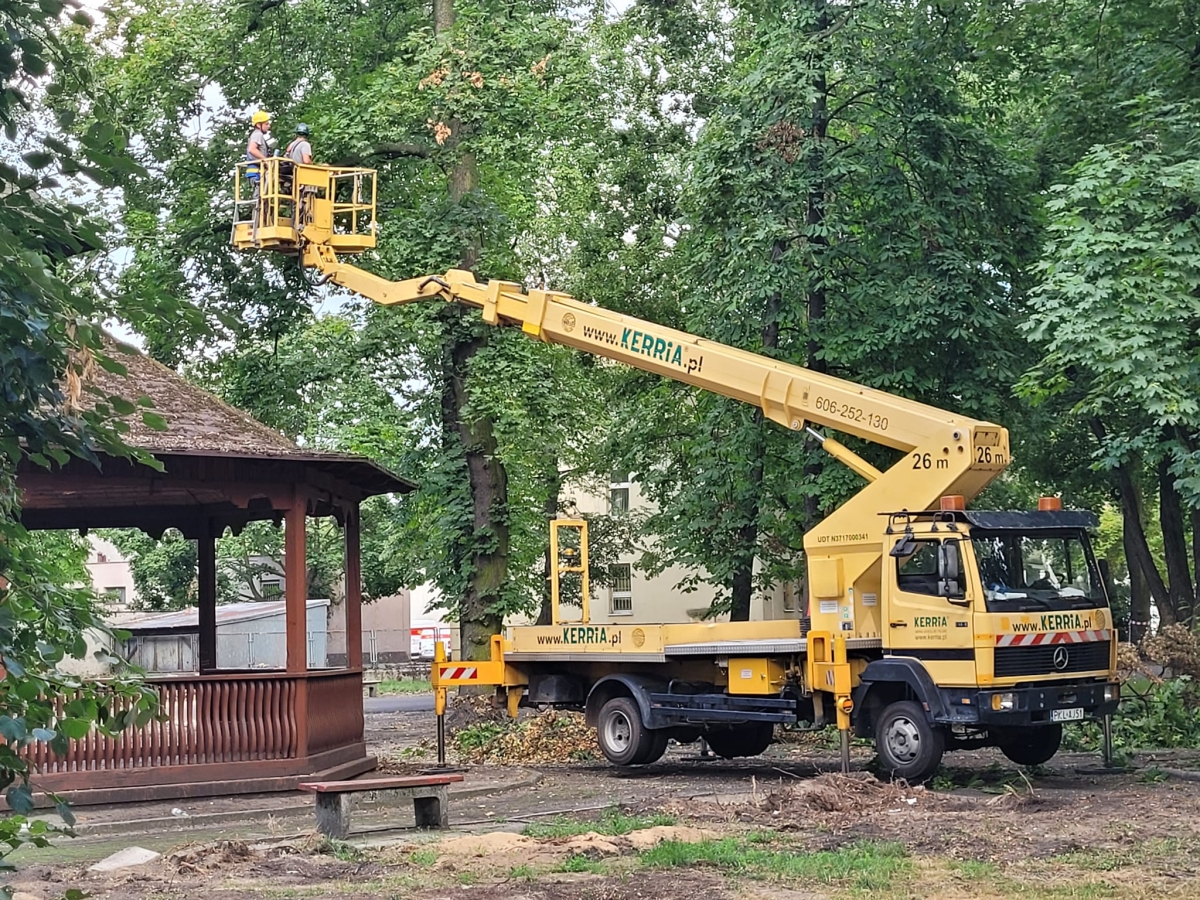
x=302 y=129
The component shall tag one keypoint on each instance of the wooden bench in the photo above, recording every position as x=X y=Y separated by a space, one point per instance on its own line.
x=335 y=799
x=371 y=685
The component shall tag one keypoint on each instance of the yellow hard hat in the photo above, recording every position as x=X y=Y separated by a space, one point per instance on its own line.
x=259 y=117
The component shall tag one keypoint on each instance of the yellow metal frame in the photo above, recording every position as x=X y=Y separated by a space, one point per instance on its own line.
x=558 y=568
x=328 y=205
x=829 y=670
x=476 y=673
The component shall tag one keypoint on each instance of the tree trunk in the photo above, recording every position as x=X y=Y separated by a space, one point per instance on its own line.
x=1139 y=588
x=1179 y=575
x=1195 y=617
x=483 y=548
x=1135 y=532
x=742 y=580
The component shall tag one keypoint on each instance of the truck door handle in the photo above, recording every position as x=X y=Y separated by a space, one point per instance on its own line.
x=898 y=624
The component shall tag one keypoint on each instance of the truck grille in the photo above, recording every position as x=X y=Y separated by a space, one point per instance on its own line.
x=1039 y=660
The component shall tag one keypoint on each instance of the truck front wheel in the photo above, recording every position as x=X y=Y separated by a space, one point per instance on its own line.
x=1029 y=746
x=909 y=747
x=624 y=740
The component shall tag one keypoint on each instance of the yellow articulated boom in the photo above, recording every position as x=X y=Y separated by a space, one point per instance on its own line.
x=929 y=626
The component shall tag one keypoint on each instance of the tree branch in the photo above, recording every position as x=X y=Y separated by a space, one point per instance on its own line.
x=385 y=152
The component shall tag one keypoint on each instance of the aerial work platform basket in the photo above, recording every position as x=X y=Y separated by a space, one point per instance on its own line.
x=279 y=204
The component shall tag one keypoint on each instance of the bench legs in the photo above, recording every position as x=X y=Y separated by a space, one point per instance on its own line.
x=434 y=811
x=333 y=814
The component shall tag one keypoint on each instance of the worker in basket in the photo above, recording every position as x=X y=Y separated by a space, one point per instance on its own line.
x=299 y=152
x=258 y=149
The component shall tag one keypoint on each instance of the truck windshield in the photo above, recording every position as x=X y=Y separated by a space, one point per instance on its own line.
x=1029 y=571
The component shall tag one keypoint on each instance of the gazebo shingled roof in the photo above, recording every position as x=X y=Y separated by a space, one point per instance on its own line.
x=206 y=440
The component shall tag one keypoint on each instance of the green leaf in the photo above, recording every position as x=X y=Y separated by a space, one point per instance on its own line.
x=121 y=405
x=154 y=421
x=75 y=729
x=20 y=799
x=64 y=812
x=37 y=159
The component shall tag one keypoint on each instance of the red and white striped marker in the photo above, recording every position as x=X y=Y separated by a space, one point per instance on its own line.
x=459 y=673
x=1052 y=637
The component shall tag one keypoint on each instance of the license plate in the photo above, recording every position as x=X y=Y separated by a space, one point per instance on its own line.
x=1066 y=715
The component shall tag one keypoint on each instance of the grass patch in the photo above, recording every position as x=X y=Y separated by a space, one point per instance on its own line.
x=340 y=850
x=975 y=870
x=523 y=873
x=404 y=686
x=612 y=822
x=995 y=779
x=1088 y=890
x=862 y=866
x=578 y=862
x=423 y=858
x=1149 y=853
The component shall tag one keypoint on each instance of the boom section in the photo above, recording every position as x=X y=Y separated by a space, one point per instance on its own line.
x=789 y=395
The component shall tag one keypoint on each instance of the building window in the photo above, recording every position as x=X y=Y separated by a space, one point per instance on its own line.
x=620 y=600
x=272 y=588
x=114 y=596
x=618 y=494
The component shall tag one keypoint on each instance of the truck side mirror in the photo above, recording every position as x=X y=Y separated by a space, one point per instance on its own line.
x=949 y=570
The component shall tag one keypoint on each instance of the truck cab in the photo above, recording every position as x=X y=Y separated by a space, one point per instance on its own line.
x=996 y=625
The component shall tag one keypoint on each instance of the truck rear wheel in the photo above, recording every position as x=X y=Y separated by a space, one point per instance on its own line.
x=623 y=739
x=749 y=739
x=657 y=747
x=909 y=747
x=1029 y=746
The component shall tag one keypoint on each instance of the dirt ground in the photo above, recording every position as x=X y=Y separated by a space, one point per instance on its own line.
x=770 y=827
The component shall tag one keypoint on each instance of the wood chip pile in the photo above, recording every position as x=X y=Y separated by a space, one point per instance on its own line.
x=548 y=737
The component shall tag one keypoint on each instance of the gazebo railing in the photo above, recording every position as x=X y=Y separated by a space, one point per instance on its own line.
x=246 y=724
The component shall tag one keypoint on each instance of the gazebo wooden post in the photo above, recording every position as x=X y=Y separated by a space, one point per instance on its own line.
x=295 y=567
x=353 y=558
x=206 y=582
x=295 y=570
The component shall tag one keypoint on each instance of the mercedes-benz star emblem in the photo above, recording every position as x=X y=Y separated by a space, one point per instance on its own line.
x=1061 y=658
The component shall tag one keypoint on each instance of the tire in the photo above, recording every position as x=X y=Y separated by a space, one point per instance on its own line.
x=749 y=739
x=657 y=747
x=623 y=739
x=683 y=734
x=1029 y=746
x=909 y=747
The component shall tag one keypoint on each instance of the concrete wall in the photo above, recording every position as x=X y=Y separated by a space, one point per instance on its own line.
x=385 y=631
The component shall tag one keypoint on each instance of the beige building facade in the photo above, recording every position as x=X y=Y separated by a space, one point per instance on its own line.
x=637 y=598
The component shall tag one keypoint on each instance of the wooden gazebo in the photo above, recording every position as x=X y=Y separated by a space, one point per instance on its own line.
x=220 y=731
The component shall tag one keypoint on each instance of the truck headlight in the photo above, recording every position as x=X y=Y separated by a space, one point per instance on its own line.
x=1112 y=692
x=1001 y=702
